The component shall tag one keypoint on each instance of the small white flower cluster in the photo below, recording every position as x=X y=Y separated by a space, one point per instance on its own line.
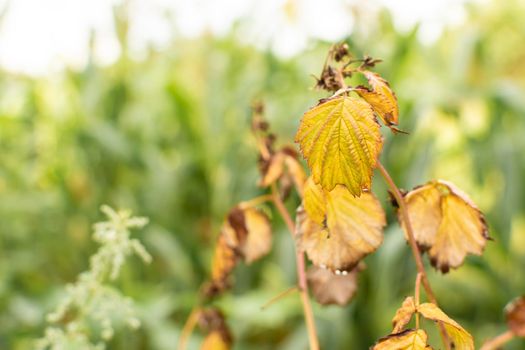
x=91 y=306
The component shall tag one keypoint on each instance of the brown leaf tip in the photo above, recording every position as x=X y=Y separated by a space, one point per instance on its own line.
x=515 y=315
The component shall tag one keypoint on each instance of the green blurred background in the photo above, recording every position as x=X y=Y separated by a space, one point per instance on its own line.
x=168 y=136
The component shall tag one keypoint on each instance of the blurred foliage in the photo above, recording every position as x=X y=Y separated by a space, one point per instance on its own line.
x=168 y=137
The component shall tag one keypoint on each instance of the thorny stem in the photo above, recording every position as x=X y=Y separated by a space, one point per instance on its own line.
x=413 y=245
x=416 y=293
x=188 y=329
x=498 y=341
x=301 y=271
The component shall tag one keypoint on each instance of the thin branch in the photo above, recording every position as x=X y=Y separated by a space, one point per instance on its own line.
x=279 y=296
x=188 y=329
x=497 y=342
x=256 y=201
x=301 y=271
x=413 y=245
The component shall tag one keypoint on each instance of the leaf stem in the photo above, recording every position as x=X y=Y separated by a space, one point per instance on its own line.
x=416 y=293
x=188 y=329
x=279 y=297
x=413 y=245
x=301 y=271
x=498 y=341
x=256 y=201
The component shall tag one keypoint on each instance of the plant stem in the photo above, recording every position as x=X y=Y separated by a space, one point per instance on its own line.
x=301 y=271
x=498 y=341
x=188 y=329
x=413 y=245
x=416 y=293
x=279 y=296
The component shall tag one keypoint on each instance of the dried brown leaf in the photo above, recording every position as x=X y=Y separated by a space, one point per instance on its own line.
x=331 y=288
x=403 y=315
x=446 y=223
x=515 y=314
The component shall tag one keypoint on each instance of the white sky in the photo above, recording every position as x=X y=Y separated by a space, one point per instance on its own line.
x=38 y=37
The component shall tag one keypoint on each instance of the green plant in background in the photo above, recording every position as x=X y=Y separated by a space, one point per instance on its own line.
x=87 y=314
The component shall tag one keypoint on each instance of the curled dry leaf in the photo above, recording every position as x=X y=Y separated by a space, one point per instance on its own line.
x=219 y=336
x=341 y=141
x=337 y=229
x=382 y=99
x=412 y=339
x=330 y=288
x=460 y=337
x=515 y=314
x=248 y=232
x=283 y=163
x=223 y=263
x=403 y=315
x=446 y=223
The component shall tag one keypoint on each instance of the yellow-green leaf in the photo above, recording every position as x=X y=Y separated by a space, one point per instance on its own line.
x=381 y=97
x=337 y=229
x=215 y=341
x=461 y=338
x=340 y=139
x=447 y=223
x=407 y=340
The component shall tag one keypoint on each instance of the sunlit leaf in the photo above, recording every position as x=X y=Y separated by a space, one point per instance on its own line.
x=403 y=315
x=460 y=337
x=406 y=340
x=515 y=314
x=330 y=288
x=340 y=139
x=337 y=229
x=382 y=99
x=248 y=232
x=446 y=223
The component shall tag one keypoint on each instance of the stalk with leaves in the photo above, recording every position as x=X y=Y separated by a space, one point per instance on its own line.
x=340 y=221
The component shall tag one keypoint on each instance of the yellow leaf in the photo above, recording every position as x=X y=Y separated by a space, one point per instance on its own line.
x=381 y=98
x=214 y=341
x=337 y=229
x=330 y=288
x=515 y=314
x=248 y=231
x=447 y=223
x=340 y=139
x=406 y=340
x=461 y=338
x=403 y=315
x=223 y=263
x=274 y=169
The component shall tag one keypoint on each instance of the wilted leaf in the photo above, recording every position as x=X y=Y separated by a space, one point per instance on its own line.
x=337 y=229
x=223 y=263
x=515 y=313
x=330 y=288
x=406 y=340
x=340 y=139
x=219 y=336
x=403 y=315
x=461 y=338
x=283 y=163
x=446 y=223
x=248 y=232
x=214 y=341
x=381 y=98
